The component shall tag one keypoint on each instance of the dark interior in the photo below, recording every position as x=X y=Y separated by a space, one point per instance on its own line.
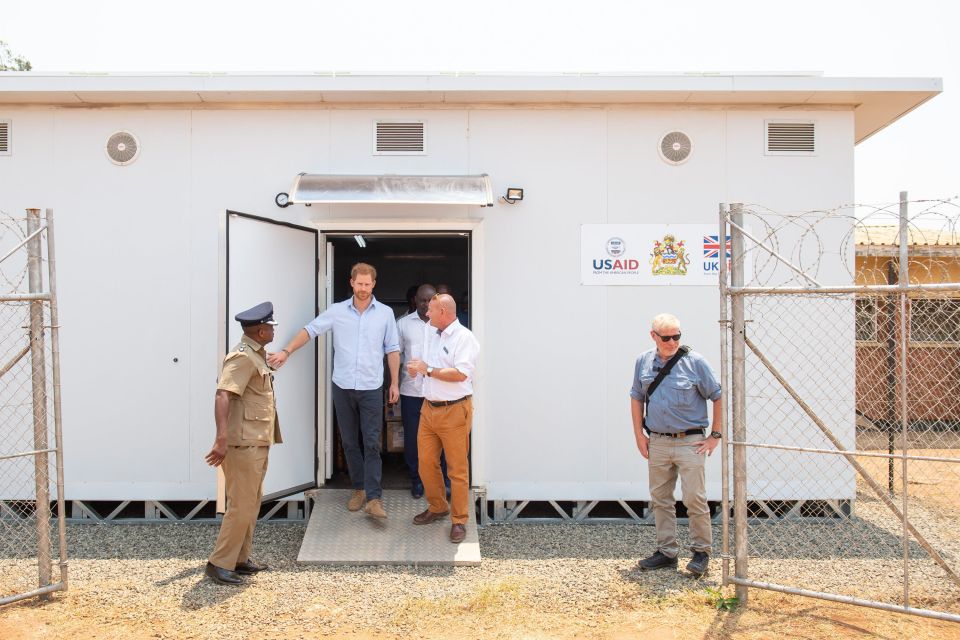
x=402 y=260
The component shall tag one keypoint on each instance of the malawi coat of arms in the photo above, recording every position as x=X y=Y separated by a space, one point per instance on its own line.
x=669 y=258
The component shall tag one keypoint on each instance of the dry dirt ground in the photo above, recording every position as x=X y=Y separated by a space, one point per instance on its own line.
x=550 y=581
x=494 y=614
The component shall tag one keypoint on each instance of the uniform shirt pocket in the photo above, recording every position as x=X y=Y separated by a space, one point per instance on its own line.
x=256 y=421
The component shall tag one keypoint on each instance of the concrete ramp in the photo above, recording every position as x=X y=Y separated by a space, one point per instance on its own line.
x=337 y=536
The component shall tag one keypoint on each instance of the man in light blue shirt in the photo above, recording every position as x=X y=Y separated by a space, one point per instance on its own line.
x=674 y=415
x=363 y=331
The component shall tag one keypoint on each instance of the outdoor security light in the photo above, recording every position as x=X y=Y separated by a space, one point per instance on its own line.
x=514 y=195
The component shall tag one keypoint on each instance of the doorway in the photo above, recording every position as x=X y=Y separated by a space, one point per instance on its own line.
x=404 y=260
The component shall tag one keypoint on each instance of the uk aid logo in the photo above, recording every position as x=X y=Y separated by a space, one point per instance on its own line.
x=616 y=264
x=711 y=254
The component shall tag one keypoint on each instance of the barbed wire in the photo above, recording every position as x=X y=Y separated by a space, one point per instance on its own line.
x=852 y=243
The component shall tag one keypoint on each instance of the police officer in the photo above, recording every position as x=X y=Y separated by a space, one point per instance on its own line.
x=245 y=411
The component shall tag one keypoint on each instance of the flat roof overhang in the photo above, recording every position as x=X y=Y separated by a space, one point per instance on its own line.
x=876 y=102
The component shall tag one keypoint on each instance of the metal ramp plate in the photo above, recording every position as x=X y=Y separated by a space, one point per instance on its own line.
x=337 y=536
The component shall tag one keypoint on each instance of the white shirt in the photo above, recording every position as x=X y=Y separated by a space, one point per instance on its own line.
x=410 y=328
x=456 y=347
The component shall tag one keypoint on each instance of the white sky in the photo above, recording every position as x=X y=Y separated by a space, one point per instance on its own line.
x=837 y=37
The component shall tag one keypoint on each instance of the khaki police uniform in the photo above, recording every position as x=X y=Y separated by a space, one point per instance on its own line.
x=252 y=427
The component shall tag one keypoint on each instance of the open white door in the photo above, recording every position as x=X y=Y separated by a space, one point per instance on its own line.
x=277 y=261
x=328 y=370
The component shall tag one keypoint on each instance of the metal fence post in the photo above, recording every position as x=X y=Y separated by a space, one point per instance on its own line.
x=904 y=343
x=39 y=384
x=724 y=402
x=738 y=402
x=57 y=420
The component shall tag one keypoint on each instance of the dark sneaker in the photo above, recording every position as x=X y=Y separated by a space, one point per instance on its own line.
x=698 y=565
x=416 y=489
x=657 y=561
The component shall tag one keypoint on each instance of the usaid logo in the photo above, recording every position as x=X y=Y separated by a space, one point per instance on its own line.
x=616 y=247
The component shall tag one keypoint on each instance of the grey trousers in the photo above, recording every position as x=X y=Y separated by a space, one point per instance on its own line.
x=670 y=457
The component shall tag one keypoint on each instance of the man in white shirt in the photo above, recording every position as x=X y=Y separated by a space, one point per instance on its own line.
x=411 y=331
x=447 y=365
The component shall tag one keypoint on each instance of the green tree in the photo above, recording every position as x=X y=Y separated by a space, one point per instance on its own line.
x=11 y=62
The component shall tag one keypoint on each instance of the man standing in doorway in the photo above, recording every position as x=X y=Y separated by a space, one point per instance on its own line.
x=668 y=400
x=245 y=411
x=449 y=360
x=363 y=331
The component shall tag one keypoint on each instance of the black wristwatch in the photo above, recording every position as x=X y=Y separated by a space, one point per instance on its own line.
x=716 y=434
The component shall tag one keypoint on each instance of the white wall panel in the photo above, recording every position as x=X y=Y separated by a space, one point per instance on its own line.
x=123 y=243
x=544 y=363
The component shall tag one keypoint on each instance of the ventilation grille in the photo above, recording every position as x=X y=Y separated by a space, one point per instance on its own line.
x=675 y=147
x=122 y=148
x=400 y=138
x=790 y=138
x=5 y=137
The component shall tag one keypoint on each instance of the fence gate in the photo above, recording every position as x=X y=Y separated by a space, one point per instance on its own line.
x=842 y=361
x=32 y=527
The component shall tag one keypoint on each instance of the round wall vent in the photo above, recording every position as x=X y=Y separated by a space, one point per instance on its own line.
x=122 y=148
x=675 y=147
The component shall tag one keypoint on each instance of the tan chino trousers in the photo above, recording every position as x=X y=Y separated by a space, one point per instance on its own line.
x=670 y=457
x=446 y=429
x=243 y=469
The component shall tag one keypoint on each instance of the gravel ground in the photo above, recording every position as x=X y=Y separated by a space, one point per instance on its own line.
x=149 y=578
x=156 y=570
x=146 y=581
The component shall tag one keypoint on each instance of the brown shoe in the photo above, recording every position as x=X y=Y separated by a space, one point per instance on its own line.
x=457 y=533
x=357 y=500
x=375 y=508
x=428 y=516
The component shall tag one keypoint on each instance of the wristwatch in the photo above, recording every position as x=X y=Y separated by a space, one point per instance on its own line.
x=716 y=434
x=429 y=371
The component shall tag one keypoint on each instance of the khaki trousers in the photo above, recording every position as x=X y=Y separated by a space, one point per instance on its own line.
x=244 y=469
x=670 y=457
x=446 y=429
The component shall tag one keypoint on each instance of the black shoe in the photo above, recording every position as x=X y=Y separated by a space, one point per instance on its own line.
x=657 y=561
x=416 y=489
x=222 y=576
x=249 y=567
x=698 y=565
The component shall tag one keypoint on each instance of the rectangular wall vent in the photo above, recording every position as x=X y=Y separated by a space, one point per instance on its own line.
x=4 y=137
x=790 y=138
x=400 y=138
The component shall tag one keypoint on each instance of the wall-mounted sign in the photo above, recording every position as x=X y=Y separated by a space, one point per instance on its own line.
x=650 y=254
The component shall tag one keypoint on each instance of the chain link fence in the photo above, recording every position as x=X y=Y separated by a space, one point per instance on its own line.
x=32 y=525
x=843 y=361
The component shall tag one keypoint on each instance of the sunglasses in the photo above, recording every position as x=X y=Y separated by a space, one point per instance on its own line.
x=675 y=338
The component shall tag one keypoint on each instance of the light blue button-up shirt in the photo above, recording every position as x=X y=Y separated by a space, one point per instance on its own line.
x=359 y=342
x=680 y=401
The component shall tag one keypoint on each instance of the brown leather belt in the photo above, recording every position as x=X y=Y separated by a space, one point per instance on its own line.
x=446 y=403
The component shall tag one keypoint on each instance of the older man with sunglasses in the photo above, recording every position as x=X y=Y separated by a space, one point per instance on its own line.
x=668 y=402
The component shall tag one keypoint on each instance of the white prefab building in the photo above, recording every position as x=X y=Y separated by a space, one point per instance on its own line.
x=167 y=194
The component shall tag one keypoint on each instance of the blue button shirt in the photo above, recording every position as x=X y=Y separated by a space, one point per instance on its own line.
x=359 y=342
x=680 y=401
